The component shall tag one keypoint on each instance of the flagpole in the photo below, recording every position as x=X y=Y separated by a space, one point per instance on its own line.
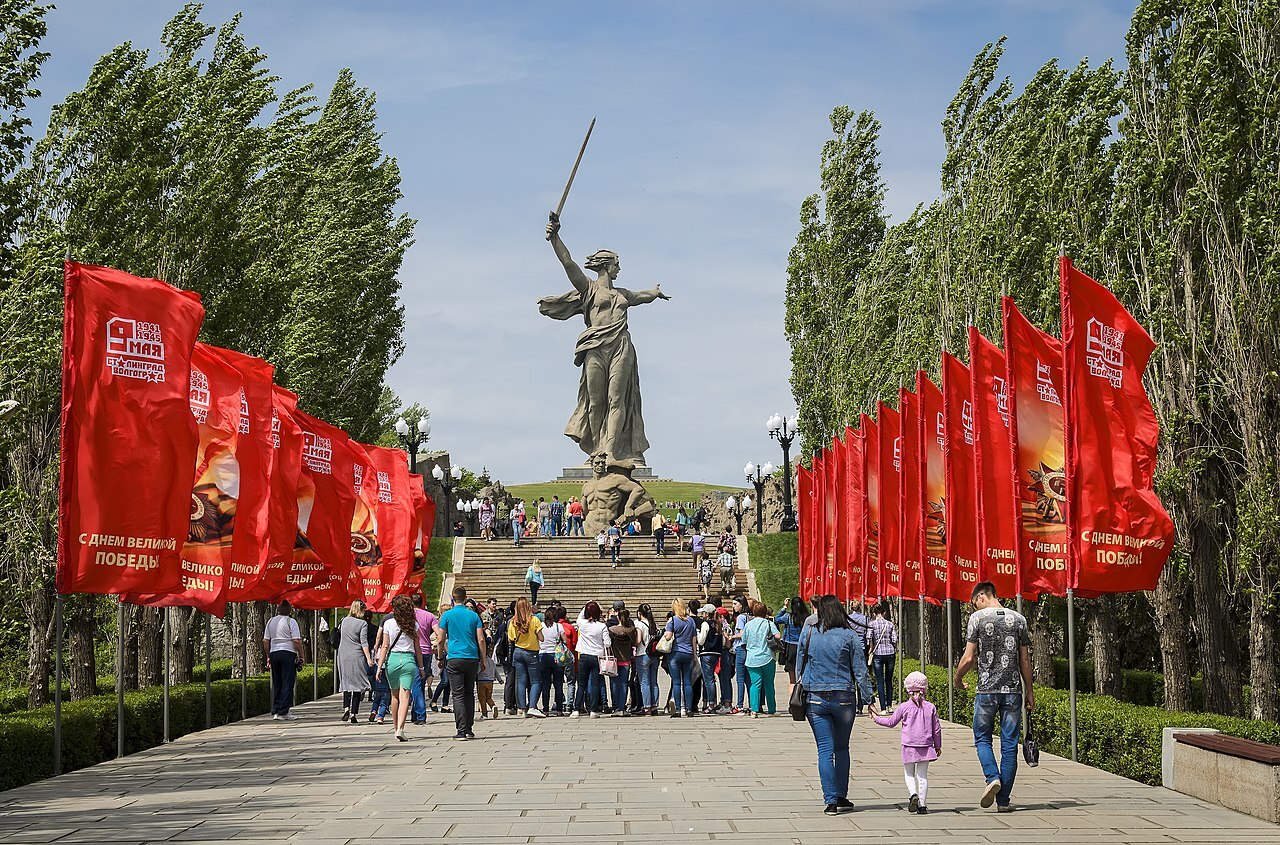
x=315 y=655
x=921 y=609
x=166 y=675
x=244 y=661
x=120 y=615
x=57 y=688
x=951 y=688
x=208 y=671
x=1071 y=666
x=1018 y=603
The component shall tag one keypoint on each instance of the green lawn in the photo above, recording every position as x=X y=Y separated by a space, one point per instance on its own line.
x=775 y=558
x=439 y=561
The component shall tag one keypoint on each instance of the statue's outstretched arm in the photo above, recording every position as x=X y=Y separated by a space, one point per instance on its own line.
x=640 y=297
x=576 y=277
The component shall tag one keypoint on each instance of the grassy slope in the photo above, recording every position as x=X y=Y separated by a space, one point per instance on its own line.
x=776 y=561
x=439 y=561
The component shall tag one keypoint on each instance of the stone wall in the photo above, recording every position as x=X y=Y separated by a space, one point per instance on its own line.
x=719 y=516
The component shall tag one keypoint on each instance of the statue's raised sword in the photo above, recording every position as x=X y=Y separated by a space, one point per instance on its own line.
x=555 y=215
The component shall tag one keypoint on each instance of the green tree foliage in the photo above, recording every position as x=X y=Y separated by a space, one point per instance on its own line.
x=188 y=166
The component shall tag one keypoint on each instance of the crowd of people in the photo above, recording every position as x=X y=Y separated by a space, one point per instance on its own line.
x=607 y=664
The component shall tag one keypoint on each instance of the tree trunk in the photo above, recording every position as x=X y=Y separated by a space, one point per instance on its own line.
x=82 y=625
x=1211 y=619
x=1168 y=601
x=936 y=634
x=150 y=647
x=129 y=633
x=1264 y=697
x=181 y=651
x=1042 y=643
x=1104 y=638
x=259 y=613
x=40 y=641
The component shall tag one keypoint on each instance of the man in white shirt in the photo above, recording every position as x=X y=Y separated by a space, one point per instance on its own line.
x=282 y=645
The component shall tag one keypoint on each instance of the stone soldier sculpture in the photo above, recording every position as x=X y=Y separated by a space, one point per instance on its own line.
x=612 y=495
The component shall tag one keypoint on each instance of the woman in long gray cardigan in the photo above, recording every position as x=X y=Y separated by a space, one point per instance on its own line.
x=354 y=660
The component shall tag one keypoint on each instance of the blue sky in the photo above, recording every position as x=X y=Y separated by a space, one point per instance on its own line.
x=711 y=116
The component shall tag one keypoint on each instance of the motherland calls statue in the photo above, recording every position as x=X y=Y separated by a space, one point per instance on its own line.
x=608 y=416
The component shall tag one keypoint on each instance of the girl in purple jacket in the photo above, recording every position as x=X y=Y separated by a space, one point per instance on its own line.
x=921 y=739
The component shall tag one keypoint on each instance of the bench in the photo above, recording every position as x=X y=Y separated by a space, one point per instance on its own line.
x=1239 y=774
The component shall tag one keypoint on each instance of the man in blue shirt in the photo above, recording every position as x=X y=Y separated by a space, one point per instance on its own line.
x=460 y=636
x=557 y=515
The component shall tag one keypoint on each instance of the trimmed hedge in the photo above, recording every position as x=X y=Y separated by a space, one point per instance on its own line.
x=1111 y=735
x=14 y=699
x=89 y=725
x=1136 y=687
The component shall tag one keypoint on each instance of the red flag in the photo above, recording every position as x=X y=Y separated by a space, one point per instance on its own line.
x=831 y=511
x=961 y=510
x=282 y=508
x=214 y=400
x=997 y=529
x=424 y=521
x=855 y=481
x=808 y=530
x=1120 y=534
x=910 y=496
x=872 y=582
x=889 y=473
x=821 y=555
x=840 y=496
x=1034 y=361
x=326 y=502
x=128 y=441
x=933 y=480
x=254 y=456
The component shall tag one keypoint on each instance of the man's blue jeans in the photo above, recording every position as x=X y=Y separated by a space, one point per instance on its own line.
x=284 y=673
x=682 y=679
x=830 y=717
x=882 y=665
x=528 y=678
x=1007 y=706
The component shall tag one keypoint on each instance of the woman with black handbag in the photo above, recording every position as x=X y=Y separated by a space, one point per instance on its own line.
x=832 y=672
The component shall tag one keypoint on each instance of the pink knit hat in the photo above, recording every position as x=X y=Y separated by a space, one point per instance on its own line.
x=916 y=682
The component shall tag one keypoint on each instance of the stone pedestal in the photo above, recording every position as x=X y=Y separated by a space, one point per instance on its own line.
x=582 y=472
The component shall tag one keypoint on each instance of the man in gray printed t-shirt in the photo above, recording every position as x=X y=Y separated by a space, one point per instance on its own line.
x=1000 y=646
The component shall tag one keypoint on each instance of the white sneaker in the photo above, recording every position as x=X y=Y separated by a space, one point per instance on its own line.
x=536 y=713
x=575 y=714
x=595 y=714
x=989 y=793
x=275 y=717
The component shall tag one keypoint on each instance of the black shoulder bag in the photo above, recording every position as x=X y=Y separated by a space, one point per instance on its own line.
x=799 y=698
x=1030 y=749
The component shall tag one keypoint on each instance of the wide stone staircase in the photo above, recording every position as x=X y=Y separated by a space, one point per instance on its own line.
x=575 y=574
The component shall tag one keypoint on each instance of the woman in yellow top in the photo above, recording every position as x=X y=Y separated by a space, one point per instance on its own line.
x=523 y=632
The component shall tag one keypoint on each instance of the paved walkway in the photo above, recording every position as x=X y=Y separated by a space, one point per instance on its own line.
x=597 y=781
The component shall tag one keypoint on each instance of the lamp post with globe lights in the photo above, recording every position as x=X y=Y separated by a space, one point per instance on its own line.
x=784 y=430
x=737 y=508
x=470 y=510
x=757 y=476
x=447 y=480
x=413 y=440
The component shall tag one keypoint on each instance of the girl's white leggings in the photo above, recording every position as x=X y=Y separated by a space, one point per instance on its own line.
x=917 y=778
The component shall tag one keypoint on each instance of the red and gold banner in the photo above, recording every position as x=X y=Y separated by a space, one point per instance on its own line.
x=808 y=529
x=322 y=557
x=840 y=573
x=214 y=400
x=872 y=582
x=822 y=555
x=424 y=521
x=851 y=513
x=254 y=456
x=911 y=497
x=997 y=528
x=128 y=441
x=961 y=506
x=282 y=509
x=1036 y=430
x=889 y=475
x=933 y=479
x=1120 y=534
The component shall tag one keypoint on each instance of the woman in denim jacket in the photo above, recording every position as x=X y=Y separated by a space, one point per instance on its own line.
x=833 y=668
